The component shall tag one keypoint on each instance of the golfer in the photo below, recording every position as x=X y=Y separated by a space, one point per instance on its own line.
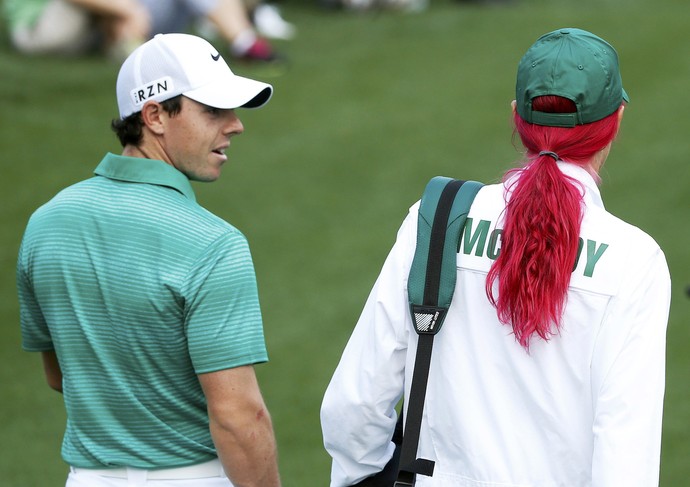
x=142 y=303
x=549 y=369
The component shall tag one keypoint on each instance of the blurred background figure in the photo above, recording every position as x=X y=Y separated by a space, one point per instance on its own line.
x=399 y=5
x=229 y=20
x=73 y=27
x=117 y=27
x=485 y=2
x=270 y=23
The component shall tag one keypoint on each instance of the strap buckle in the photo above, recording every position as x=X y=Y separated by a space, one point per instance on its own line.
x=428 y=319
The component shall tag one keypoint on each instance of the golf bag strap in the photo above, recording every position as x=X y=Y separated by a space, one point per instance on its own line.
x=445 y=204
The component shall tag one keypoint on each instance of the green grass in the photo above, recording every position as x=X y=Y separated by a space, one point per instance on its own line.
x=370 y=106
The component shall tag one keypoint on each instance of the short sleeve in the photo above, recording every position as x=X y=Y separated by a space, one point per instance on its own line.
x=35 y=333
x=222 y=313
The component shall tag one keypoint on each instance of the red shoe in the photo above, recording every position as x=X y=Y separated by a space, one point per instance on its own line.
x=261 y=51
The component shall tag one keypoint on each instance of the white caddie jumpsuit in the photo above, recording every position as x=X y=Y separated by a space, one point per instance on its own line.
x=581 y=410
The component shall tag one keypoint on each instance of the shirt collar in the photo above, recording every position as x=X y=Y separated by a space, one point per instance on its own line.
x=591 y=194
x=140 y=170
x=588 y=187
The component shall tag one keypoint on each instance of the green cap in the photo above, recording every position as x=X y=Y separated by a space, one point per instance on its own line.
x=574 y=64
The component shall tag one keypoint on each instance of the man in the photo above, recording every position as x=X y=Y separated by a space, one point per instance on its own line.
x=143 y=304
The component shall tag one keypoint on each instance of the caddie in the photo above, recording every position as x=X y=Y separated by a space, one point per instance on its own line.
x=144 y=304
x=549 y=369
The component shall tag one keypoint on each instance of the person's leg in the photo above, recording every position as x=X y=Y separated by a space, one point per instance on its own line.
x=231 y=22
x=62 y=28
x=168 y=16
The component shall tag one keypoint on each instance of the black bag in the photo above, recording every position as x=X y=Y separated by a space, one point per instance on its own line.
x=431 y=284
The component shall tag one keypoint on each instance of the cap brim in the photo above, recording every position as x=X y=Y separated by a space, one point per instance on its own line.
x=232 y=92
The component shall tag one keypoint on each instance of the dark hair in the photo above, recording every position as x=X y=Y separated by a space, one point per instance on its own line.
x=129 y=129
x=542 y=223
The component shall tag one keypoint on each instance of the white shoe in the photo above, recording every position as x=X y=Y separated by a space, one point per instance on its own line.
x=269 y=23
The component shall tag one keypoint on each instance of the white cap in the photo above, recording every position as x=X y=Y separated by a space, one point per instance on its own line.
x=181 y=64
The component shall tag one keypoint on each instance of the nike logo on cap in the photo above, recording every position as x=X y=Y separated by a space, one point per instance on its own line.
x=216 y=57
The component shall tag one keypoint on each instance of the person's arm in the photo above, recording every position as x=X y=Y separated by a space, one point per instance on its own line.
x=628 y=371
x=110 y=8
x=130 y=18
x=358 y=414
x=52 y=370
x=241 y=427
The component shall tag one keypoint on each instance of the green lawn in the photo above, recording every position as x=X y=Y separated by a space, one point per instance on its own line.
x=370 y=106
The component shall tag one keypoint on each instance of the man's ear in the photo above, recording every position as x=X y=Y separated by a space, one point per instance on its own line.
x=154 y=117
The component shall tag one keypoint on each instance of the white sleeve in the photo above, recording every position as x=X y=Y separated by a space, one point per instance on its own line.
x=628 y=371
x=358 y=411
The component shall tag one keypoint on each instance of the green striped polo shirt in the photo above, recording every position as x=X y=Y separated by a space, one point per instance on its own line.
x=138 y=289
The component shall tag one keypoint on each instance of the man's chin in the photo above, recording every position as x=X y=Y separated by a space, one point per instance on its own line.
x=206 y=177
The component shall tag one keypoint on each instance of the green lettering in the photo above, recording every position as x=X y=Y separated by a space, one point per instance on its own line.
x=479 y=237
x=475 y=240
x=593 y=256
x=494 y=249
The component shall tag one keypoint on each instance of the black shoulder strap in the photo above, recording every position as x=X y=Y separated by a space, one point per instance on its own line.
x=431 y=284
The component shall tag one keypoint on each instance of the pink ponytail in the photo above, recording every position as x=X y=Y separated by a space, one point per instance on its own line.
x=542 y=223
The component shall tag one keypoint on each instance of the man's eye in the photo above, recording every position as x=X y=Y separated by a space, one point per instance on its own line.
x=213 y=110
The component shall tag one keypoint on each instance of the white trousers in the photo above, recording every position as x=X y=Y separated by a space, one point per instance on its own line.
x=208 y=474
